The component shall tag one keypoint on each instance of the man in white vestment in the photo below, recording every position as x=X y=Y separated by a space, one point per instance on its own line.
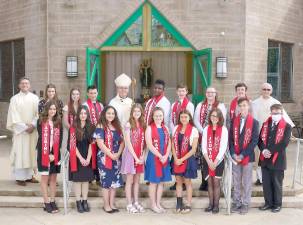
x=22 y=121
x=261 y=111
x=121 y=102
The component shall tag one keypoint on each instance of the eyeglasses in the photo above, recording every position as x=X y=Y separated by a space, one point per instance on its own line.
x=266 y=89
x=210 y=92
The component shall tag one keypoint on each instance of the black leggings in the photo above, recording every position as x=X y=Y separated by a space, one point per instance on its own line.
x=214 y=191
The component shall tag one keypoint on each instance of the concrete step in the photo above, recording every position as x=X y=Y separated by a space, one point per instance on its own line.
x=168 y=203
x=9 y=188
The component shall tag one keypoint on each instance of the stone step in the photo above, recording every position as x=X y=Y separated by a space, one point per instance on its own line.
x=168 y=203
x=9 y=188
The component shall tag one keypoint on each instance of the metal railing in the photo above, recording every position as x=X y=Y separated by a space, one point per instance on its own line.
x=298 y=169
x=227 y=181
x=66 y=184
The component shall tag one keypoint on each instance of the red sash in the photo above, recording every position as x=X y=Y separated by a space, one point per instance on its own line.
x=233 y=106
x=213 y=146
x=72 y=149
x=46 y=129
x=94 y=116
x=156 y=143
x=279 y=135
x=247 y=135
x=180 y=152
x=204 y=111
x=109 y=143
x=151 y=104
x=177 y=109
x=138 y=140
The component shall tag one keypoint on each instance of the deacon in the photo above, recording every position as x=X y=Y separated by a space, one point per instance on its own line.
x=158 y=100
x=94 y=108
x=261 y=111
x=201 y=121
x=121 y=102
x=273 y=140
x=243 y=138
x=22 y=121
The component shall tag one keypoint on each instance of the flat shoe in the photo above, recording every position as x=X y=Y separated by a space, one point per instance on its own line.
x=110 y=211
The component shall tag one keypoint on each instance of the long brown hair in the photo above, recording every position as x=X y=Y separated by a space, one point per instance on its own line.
x=88 y=125
x=219 y=115
x=51 y=86
x=115 y=123
x=185 y=111
x=70 y=104
x=141 y=120
x=44 y=115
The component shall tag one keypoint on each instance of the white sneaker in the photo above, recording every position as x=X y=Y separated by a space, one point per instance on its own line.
x=131 y=209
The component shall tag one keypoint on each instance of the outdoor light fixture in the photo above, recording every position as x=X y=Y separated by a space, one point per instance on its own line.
x=221 y=67
x=72 y=66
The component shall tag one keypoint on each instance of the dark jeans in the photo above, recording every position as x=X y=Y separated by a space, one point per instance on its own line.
x=272 y=186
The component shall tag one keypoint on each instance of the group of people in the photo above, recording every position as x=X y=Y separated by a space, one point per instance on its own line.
x=112 y=146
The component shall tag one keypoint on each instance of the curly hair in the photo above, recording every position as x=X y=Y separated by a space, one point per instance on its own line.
x=116 y=122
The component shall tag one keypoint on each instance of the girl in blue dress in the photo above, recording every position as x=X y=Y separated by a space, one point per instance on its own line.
x=157 y=169
x=108 y=135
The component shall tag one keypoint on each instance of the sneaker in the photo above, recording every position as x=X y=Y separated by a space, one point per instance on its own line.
x=235 y=208
x=244 y=209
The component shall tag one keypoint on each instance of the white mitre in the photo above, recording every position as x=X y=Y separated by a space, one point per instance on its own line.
x=123 y=80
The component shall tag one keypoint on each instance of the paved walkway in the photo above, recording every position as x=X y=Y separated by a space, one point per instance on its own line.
x=14 y=216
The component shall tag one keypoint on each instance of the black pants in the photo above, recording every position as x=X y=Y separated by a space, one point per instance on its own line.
x=272 y=186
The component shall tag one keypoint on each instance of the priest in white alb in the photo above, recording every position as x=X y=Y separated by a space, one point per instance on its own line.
x=121 y=102
x=21 y=121
x=261 y=111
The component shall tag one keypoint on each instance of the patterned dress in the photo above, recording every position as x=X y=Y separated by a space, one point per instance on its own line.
x=109 y=178
x=150 y=170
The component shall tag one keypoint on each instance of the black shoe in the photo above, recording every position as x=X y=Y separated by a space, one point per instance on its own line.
x=54 y=207
x=173 y=188
x=209 y=208
x=109 y=211
x=276 y=209
x=258 y=183
x=115 y=210
x=215 y=210
x=79 y=207
x=85 y=206
x=48 y=208
x=203 y=186
x=265 y=207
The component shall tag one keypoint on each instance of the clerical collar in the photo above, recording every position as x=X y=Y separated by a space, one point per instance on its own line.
x=120 y=98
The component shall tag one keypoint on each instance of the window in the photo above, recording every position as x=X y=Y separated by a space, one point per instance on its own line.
x=279 y=69
x=12 y=67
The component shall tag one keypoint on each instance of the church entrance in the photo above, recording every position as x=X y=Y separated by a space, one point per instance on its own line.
x=148 y=47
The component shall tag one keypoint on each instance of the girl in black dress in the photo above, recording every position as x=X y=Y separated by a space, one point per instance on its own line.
x=81 y=172
x=48 y=153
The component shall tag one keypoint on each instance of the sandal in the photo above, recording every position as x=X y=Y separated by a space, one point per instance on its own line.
x=131 y=209
x=139 y=207
x=156 y=210
x=186 y=209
